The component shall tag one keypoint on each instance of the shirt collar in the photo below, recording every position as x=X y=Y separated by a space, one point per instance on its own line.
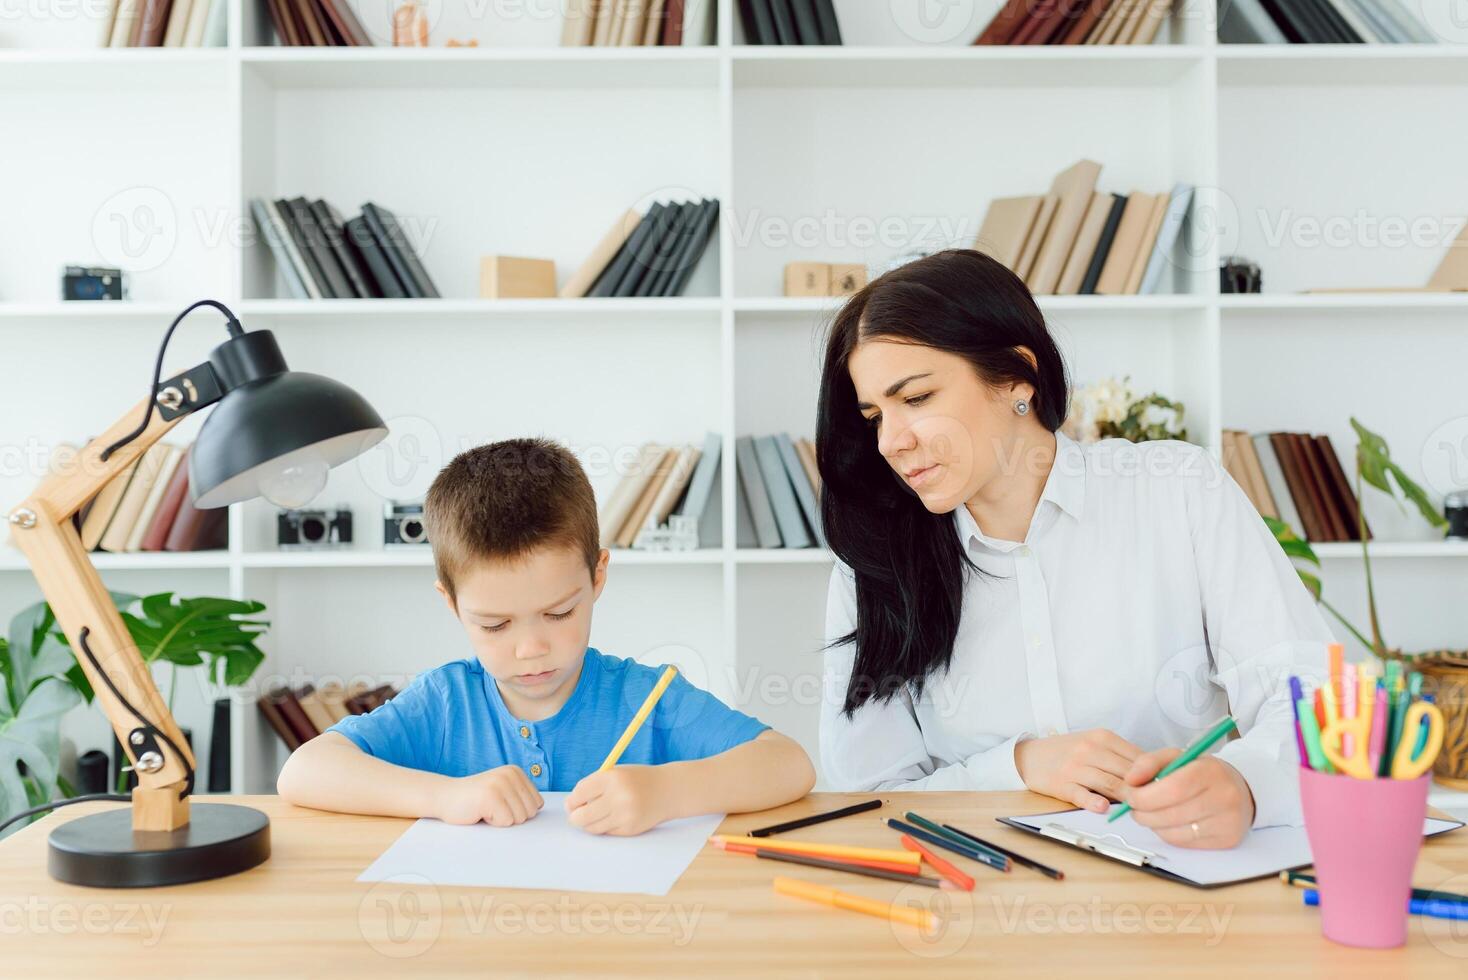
x=586 y=684
x=1065 y=487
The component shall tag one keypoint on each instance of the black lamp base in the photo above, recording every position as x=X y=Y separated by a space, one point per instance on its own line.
x=103 y=851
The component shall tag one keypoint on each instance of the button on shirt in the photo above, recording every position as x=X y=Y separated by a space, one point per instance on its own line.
x=452 y=720
x=1148 y=598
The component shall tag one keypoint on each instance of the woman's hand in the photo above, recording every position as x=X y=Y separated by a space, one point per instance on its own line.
x=1083 y=768
x=1204 y=804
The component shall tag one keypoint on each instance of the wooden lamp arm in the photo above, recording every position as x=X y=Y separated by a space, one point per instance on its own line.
x=42 y=528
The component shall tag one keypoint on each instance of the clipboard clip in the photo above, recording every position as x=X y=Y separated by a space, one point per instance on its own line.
x=1101 y=844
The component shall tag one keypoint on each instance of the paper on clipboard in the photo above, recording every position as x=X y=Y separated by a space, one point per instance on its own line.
x=1266 y=851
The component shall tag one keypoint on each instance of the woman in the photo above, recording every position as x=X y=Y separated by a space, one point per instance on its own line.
x=1011 y=609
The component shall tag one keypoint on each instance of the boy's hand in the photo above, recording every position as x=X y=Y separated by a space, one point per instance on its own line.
x=500 y=797
x=622 y=800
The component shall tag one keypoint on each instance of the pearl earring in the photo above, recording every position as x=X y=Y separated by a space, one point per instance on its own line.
x=1021 y=407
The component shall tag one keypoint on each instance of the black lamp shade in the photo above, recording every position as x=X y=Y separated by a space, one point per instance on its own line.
x=264 y=425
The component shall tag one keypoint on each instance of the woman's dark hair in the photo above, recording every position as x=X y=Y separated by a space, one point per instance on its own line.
x=909 y=564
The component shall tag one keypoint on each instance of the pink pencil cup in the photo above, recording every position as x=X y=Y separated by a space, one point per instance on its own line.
x=1364 y=838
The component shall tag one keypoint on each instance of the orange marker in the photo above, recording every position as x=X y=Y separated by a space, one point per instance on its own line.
x=916 y=917
x=939 y=865
x=825 y=850
x=907 y=869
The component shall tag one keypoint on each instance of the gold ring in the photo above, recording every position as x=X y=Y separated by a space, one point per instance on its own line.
x=1196 y=834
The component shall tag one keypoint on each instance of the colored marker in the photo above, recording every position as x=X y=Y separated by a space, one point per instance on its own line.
x=917 y=917
x=1415 y=906
x=1225 y=725
x=1297 y=694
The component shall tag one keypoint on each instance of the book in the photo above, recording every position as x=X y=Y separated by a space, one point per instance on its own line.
x=198 y=530
x=1003 y=25
x=198 y=17
x=1040 y=12
x=672 y=249
x=1255 y=471
x=1315 y=475
x=1006 y=228
x=626 y=494
x=1176 y=212
x=634 y=23
x=1064 y=14
x=1091 y=14
x=1145 y=246
x=830 y=26
x=1233 y=463
x=1130 y=23
x=104 y=505
x=781 y=493
x=399 y=251
x=805 y=493
x=106 y=22
x=1279 y=490
x=1152 y=18
x=333 y=699
x=310 y=260
x=288 y=703
x=672 y=34
x=1350 y=506
x=215 y=29
x=1127 y=243
x=1027 y=255
x=694 y=248
x=333 y=236
x=761 y=512
x=269 y=706
x=315 y=238
x=1088 y=237
x=657 y=16
x=675 y=486
x=174 y=494
x=275 y=236
x=153 y=23
x=807 y=26
x=1103 y=245
x=344 y=19
x=128 y=12
x=167 y=466
x=309 y=26
x=606 y=283
x=1245 y=22
x=579 y=26
x=1314 y=528
x=315 y=711
x=698 y=22
x=600 y=256
x=285 y=28
x=647 y=494
x=651 y=255
x=784 y=20
x=807 y=450
x=120 y=528
x=359 y=237
x=701 y=486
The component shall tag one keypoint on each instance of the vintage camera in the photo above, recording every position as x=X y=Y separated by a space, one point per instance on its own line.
x=402 y=524
x=313 y=530
x=1239 y=275
x=1455 y=509
x=83 y=282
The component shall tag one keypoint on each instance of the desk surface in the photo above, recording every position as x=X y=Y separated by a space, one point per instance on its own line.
x=304 y=914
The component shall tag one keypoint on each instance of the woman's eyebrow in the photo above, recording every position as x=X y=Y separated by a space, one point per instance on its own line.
x=894 y=388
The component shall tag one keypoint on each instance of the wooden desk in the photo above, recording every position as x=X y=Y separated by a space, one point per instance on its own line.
x=303 y=914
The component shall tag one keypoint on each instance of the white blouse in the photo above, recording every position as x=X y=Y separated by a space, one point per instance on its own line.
x=1148 y=597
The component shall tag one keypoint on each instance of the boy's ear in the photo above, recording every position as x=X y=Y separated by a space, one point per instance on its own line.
x=599 y=577
x=446 y=597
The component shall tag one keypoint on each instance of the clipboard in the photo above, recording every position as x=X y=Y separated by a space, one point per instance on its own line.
x=1264 y=854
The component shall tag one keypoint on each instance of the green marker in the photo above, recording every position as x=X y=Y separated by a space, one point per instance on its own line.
x=1192 y=752
x=1310 y=730
x=944 y=832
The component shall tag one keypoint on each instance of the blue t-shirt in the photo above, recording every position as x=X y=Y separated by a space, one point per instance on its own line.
x=451 y=720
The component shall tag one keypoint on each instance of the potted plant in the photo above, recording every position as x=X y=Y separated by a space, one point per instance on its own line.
x=40 y=680
x=1445 y=672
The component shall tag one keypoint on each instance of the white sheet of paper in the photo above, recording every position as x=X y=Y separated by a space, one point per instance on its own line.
x=547 y=853
x=1267 y=850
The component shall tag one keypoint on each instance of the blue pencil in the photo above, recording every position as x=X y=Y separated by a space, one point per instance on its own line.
x=998 y=864
x=1415 y=906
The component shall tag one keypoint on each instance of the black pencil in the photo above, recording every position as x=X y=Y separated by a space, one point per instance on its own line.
x=816 y=818
x=1044 y=869
x=854 y=869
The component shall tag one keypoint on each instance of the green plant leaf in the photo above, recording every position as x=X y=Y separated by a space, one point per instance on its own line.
x=186 y=632
x=32 y=735
x=1375 y=460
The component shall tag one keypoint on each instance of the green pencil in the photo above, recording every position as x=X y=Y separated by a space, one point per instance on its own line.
x=1192 y=752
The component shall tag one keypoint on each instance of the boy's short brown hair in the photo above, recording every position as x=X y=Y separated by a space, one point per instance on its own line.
x=504 y=500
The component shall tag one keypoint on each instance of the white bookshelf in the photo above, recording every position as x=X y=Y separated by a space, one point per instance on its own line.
x=893 y=143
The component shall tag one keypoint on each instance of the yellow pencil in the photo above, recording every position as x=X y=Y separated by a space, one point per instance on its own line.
x=825 y=850
x=916 y=917
x=640 y=717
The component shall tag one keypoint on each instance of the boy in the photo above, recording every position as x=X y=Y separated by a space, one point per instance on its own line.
x=515 y=542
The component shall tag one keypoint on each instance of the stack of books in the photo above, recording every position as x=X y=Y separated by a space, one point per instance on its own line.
x=663 y=481
x=1077 y=22
x=1320 y=22
x=780 y=488
x=322 y=257
x=316 y=23
x=625 y=23
x=299 y=715
x=147 y=507
x=1295 y=478
x=653 y=255
x=1077 y=240
x=789 y=22
x=164 y=24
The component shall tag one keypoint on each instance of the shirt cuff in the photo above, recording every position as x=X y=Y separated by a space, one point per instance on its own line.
x=994 y=769
x=1273 y=778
